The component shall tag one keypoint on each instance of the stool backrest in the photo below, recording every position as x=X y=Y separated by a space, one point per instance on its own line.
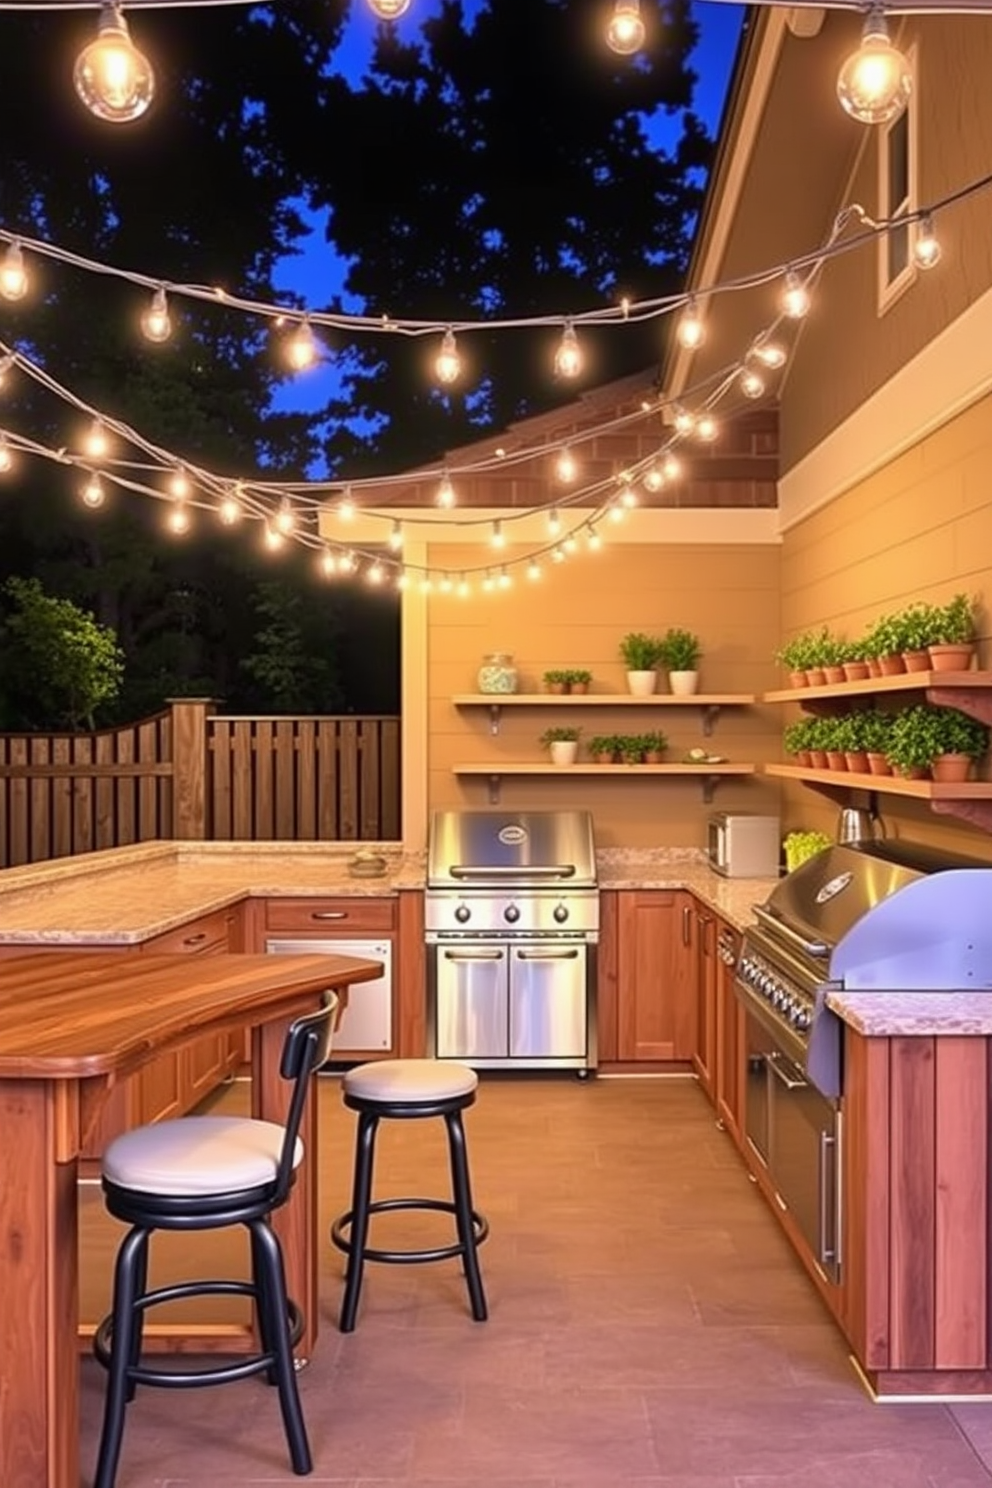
x=308 y=1043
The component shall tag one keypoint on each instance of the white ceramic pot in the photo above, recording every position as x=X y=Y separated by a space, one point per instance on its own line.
x=642 y=684
x=564 y=751
x=683 y=683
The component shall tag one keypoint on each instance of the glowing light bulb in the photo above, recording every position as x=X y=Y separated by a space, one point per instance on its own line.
x=770 y=354
x=558 y=555
x=427 y=584
x=230 y=508
x=554 y=522
x=691 y=332
x=402 y=579
x=6 y=457
x=155 y=322
x=285 y=519
x=570 y=544
x=178 y=518
x=875 y=82
x=301 y=348
x=96 y=444
x=498 y=539
x=654 y=478
x=179 y=484
x=346 y=506
x=534 y=569
x=625 y=33
x=684 y=421
x=795 y=297
x=707 y=428
x=273 y=538
x=628 y=496
x=13 y=275
x=446 y=583
x=615 y=513
x=111 y=76
x=568 y=357
x=752 y=383
x=93 y=494
x=463 y=588
x=445 y=492
x=504 y=580
x=389 y=10
x=328 y=563
x=448 y=364
x=375 y=573
x=566 y=466
x=593 y=540
x=396 y=537
x=926 y=248
x=672 y=467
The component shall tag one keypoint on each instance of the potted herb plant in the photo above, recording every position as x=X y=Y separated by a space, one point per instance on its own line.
x=577 y=679
x=916 y=740
x=953 y=648
x=796 y=739
x=562 y=742
x=641 y=654
x=680 y=652
x=962 y=739
x=876 y=727
x=655 y=744
x=556 y=680
x=604 y=748
x=631 y=749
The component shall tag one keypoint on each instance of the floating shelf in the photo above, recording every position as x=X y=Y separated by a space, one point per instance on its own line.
x=709 y=775
x=971 y=800
x=937 y=685
x=709 y=703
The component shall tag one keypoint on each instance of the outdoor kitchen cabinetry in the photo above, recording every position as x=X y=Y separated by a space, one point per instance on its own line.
x=655 y=976
x=730 y=1044
x=699 y=926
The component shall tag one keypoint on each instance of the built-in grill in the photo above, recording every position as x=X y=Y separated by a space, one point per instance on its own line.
x=512 y=922
x=889 y=915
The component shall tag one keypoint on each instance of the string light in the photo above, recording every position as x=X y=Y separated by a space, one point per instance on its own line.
x=6 y=457
x=179 y=484
x=328 y=563
x=504 y=581
x=752 y=384
x=155 y=322
x=93 y=494
x=376 y=573
x=13 y=275
x=568 y=357
x=112 y=77
x=707 y=428
x=554 y=521
x=566 y=466
x=301 y=348
x=625 y=33
x=926 y=248
x=446 y=583
x=691 y=333
x=448 y=364
x=230 y=510
x=498 y=540
x=534 y=570
x=463 y=588
x=285 y=519
x=178 y=519
x=653 y=478
x=769 y=353
x=445 y=497
x=671 y=467
x=396 y=537
x=875 y=82
x=96 y=443
x=593 y=540
x=683 y=421
x=389 y=10
x=346 y=506
x=795 y=297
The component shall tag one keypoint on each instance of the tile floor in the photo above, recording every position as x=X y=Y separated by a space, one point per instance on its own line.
x=648 y=1326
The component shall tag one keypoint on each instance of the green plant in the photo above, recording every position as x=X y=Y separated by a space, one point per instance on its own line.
x=874 y=730
x=798 y=735
x=959 y=733
x=640 y=652
x=601 y=744
x=803 y=651
x=556 y=676
x=577 y=674
x=955 y=622
x=58 y=665
x=562 y=733
x=911 y=629
x=631 y=748
x=680 y=650
x=655 y=742
x=921 y=733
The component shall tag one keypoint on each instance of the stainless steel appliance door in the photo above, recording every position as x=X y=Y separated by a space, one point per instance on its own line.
x=471 y=1001
x=548 y=1002
x=804 y=1159
x=757 y=1096
x=366 y=1025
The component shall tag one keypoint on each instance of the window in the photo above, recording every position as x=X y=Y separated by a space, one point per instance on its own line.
x=897 y=198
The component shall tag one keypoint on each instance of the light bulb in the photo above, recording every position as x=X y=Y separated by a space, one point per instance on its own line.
x=615 y=513
x=628 y=496
x=179 y=484
x=230 y=508
x=448 y=364
x=488 y=583
x=926 y=248
x=534 y=569
x=691 y=333
x=375 y=573
x=346 y=506
x=568 y=357
x=684 y=421
x=155 y=322
x=463 y=588
x=285 y=519
x=593 y=540
x=6 y=458
x=13 y=275
x=328 y=563
x=389 y=10
x=795 y=297
x=571 y=543
x=93 y=493
x=504 y=580
x=96 y=444
x=706 y=428
x=301 y=348
x=445 y=492
x=114 y=79
x=672 y=468
x=274 y=539
x=625 y=33
x=178 y=518
x=396 y=537
x=426 y=584
x=769 y=353
x=875 y=82
x=446 y=583
x=558 y=555
x=653 y=478
x=402 y=579
x=498 y=539
x=566 y=466
x=554 y=522
x=752 y=383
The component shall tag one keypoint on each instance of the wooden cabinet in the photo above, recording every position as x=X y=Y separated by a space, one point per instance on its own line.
x=731 y=1051
x=331 y=916
x=704 y=1055
x=655 y=981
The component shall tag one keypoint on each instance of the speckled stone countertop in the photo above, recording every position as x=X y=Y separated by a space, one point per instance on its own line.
x=914 y=1014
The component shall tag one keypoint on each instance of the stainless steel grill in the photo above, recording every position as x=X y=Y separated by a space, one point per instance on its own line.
x=512 y=921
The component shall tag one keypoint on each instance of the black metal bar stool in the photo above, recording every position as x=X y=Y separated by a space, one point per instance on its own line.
x=409 y=1090
x=204 y=1173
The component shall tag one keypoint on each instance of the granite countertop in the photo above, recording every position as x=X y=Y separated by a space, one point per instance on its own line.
x=967 y=1014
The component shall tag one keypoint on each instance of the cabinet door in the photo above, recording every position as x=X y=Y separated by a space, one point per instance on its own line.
x=705 y=964
x=330 y=915
x=656 y=1013
x=730 y=1048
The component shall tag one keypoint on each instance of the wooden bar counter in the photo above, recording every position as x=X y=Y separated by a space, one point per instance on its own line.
x=71 y=1026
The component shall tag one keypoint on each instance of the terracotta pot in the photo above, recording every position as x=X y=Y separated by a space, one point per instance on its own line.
x=857 y=761
x=803 y=757
x=815 y=676
x=577 y=686
x=652 y=757
x=891 y=666
x=951 y=658
x=797 y=679
x=915 y=772
x=878 y=764
x=836 y=759
x=951 y=767
x=606 y=758
x=557 y=687
x=855 y=671
x=916 y=661
x=818 y=759
x=834 y=674
x=874 y=666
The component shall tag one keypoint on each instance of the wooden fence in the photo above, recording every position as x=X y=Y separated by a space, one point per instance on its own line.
x=189 y=773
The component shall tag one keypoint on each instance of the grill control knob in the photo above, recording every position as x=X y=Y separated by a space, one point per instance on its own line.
x=511 y=914
x=462 y=913
x=560 y=913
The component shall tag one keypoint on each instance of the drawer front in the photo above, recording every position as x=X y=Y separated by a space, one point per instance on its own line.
x=208 y=933
x=328 y=916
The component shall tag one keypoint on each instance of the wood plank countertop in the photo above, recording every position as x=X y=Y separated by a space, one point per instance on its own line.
x=66 y=1016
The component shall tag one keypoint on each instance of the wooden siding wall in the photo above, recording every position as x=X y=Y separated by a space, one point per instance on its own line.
x=919 y=529
x=187 y=774
x=728 y=594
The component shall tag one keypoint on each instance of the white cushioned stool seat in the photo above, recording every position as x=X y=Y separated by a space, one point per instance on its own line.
x=197 y=1155
x=410 y=1080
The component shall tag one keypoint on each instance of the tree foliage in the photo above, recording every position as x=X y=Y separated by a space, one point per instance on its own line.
x=58 y=666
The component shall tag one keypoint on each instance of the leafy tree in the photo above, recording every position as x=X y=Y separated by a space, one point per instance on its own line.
x=294 y=654
x=58 y=667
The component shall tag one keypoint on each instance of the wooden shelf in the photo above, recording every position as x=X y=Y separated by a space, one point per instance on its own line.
x=971 y=800
x=709 y=703
x=929 y=682
x=709 y=775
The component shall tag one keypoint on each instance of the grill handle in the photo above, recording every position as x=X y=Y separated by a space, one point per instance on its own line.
x=816 y=948
x=468 y=870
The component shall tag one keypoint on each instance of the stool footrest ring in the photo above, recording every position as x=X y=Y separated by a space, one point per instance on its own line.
x=342 y=1240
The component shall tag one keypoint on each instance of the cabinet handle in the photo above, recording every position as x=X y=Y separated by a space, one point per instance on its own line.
x=686 y=925
x=547 y=955
x=329 y=914
x=191 y=940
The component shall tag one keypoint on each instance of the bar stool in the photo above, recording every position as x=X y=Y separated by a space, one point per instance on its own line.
x=205 y=1173
x=409 y=1090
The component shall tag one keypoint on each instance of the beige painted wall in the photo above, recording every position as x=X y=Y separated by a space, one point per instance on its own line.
x=921 y=528
x=576 y=616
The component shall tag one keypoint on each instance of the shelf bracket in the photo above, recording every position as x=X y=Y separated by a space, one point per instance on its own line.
x=965 y=699
x=711 y=712
x=495 y=781
x=977 y=813
x=710 y=783
x=494 y=716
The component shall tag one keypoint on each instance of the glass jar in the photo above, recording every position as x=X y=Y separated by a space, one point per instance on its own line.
x=497 y=673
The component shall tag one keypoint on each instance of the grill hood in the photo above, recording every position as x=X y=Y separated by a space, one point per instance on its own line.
x=490 y=849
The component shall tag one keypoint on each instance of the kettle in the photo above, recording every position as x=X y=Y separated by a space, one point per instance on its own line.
x=855 y=825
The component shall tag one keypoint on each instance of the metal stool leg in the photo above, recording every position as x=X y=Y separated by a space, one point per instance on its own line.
x=273 y=1300
x=359 y=1217
x=462 y=1195
x=127 y=1277
x=138 y=1317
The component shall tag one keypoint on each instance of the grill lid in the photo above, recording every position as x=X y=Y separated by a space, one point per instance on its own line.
x=485 y=849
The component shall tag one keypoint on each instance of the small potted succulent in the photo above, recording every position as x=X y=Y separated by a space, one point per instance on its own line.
x=562 y=742
x=604 y=748
x=641 y=654
x=680 y=652
x=953 y=648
